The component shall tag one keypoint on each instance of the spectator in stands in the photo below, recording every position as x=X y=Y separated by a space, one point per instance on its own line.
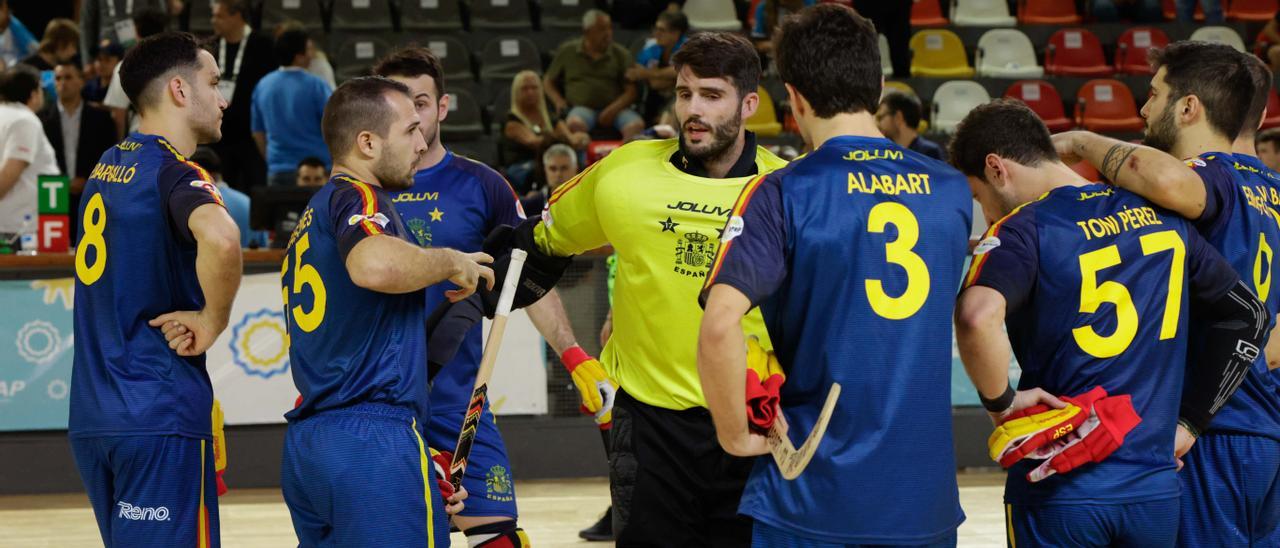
x=1212 y=11
x=320 y=66
x=1135 y=11
x=78 y=132
x=653 y=64
x=60 y=42
x=146 y=22
x=559 y=164
x=245 y=57
x=529 y=129
x=25 y=152
x=110 y=20
x=767 y=15
x=595 y=87
x=898 y=118
x=106 y=58
x=1268 y=147
x=237 y=202
x=286 y=110
x=16 y=42
x=311 y=173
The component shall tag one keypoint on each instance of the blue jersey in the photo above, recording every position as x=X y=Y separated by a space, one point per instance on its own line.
x=135 y=260
x=1251 y=240
x=348 y=344
x=455 y=204
x=854 y=254
x=1097 y=283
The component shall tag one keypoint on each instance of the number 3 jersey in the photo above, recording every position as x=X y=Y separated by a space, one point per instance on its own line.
x=1097 y=283
x=348 y=344
x=854 y=254
x=135 y=260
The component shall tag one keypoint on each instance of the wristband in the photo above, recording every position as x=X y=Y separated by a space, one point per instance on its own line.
x=1001 y=403
x=573 y=356
x=1195 y=432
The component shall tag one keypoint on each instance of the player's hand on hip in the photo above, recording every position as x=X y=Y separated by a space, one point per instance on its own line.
x=1065 y=145
x=1182 y=443
x=470 y=272
x=1027 y=398
x=189 y=333
x=454 y=503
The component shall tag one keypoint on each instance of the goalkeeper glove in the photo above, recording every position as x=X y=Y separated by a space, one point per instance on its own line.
x=764 y=383
x=1028 y=430
x=1101 y=434
x=594 y=385
x=442 y=460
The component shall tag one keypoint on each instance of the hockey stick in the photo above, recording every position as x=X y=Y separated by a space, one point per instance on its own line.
x=467 y=436
x=792 y=461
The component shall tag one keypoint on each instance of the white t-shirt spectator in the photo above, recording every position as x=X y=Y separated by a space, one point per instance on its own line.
x=116 y=98
x=22 y=138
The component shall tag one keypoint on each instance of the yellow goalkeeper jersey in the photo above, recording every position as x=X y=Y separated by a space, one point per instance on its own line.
x=665 y=226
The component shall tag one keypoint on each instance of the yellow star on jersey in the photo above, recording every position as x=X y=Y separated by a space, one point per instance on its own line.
x=436 y=215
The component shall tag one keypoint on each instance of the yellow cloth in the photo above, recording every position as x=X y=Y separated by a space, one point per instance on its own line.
x=219 y=439
x=665 y=226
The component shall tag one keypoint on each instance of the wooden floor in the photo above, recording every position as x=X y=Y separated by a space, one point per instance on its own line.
x=551 y=511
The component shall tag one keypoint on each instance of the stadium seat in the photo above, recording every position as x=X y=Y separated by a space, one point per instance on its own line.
x=198 y=17
x=1131 y=49
x=505 y=56
x=464 y=120
x=1047 y=12
x=481 y=150
x=1044 y=99
x=356 y=55
x=455 y=57
x=438 y=15
x=1221 y=35
x=939 y=53
x=765 y=121
x=981 y=13
x=1006 y=53
x=500 y=15
x=1273 y=111
x=1252 y=10
x=1107 y=105
x=564 y=14
x=1086 y=170
x=360 y=15
x=1075 y=52
x=927 y=13
x=307 y=12
x=886 y=64
x=953 y=100
x=712 y=15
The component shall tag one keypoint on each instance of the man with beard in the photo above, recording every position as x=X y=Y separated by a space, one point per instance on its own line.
x=156 y=249
x=455 y=202
x=1194 y=113
x=662 y=204
x=355 y=470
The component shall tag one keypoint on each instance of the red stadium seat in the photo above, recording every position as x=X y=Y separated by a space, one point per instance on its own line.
x=1044 y=99
x=927 y=13
x=1273 y=111
x=1107 y=105
x=1075 y=52
x=1047 y=12
x=1086 y=170
x=1131 y=49
x=1252 y=10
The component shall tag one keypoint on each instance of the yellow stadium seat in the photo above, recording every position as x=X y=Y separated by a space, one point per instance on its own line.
x=764 y=123
x=938 y=53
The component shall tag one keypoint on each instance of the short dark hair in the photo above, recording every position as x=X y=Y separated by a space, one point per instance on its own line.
x=290 y=44
x=1271 y=135
x=18 y=83
x=154 y=58
x=1005 y=127
x=412 y=62
x=1212 y=72
x=831 y=56
x=359 y=104
x=311 y=161
x=907 y=104
x=73 y=62
x=1260 y=74
x=720 y=55
x=677 y=20
x=238 y=7
x=150 y=21
x=208 y=159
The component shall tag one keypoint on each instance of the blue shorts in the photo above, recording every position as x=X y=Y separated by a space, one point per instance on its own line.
x=1231 y=492
x=490 y=490
x=589 y=116
x=1150 y=524
x=767 y=536
x=361 y=476
x=150 y=490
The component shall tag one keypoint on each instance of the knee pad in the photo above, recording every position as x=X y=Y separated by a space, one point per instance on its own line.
x=503 y=534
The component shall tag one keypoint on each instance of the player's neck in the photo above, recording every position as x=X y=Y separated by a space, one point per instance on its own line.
x=359 y=172
x=433 y=157
x=172 y=129
x=1199 y=140
x=1245 y=145
x=719 y=167
x=860 y=124
x=1051 y=175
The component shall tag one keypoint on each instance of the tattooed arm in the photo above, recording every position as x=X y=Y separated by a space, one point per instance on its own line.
x=1156 y=176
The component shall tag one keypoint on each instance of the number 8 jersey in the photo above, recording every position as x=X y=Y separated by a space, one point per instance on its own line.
x=135 y=260
x=348 y=344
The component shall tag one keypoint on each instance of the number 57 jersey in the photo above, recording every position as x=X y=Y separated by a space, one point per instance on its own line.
x=1097 y=283
x=348 y=344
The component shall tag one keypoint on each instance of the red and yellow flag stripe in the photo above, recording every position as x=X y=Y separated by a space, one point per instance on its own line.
x=369 y=207
x=739 y=207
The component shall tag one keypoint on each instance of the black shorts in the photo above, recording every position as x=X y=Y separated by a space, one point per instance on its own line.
x=672 y=484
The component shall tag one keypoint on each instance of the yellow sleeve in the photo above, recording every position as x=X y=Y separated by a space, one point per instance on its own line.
x=570 y=224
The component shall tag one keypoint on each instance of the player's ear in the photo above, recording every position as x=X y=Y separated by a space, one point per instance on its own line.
x=798 y=104
x=750 y=103
x=178 y=90
x=442 y=108
x=996 y=173
x=1188 y=108
x=366 y=143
